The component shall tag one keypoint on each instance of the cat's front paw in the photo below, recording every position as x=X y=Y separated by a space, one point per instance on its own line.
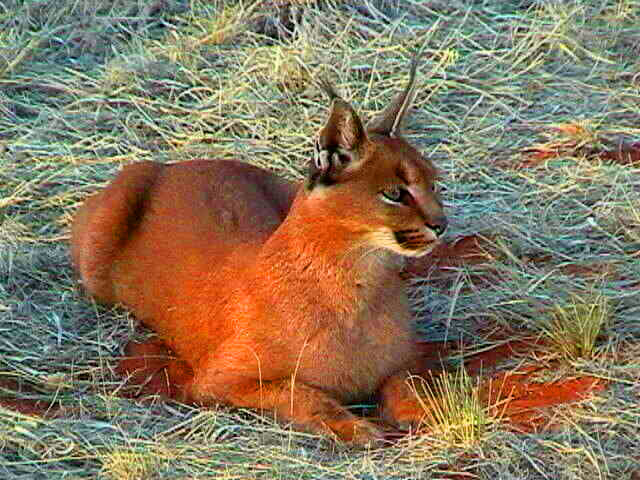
x=357 y=431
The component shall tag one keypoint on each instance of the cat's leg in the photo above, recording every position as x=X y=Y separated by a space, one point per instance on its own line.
x=399 y=401
x=306 y=407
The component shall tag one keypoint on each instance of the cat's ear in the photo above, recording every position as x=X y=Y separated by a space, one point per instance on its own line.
x=389 y=121
x=339 y=142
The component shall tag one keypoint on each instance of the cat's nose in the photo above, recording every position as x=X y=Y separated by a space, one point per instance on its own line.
x=438 y=225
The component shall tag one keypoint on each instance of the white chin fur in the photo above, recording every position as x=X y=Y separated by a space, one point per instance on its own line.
x=419 y=253
x=416 y=253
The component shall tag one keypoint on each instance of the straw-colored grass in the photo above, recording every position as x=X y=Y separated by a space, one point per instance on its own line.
x=574 y=328
x=87 y=86
x=454 y=411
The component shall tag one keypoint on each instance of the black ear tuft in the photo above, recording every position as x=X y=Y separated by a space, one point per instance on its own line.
x=389 y=122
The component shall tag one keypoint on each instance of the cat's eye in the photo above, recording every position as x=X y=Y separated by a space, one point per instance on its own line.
x=393 y=194
x=438 y=187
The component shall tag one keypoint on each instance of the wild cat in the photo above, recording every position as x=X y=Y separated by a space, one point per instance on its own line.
x=281 y=297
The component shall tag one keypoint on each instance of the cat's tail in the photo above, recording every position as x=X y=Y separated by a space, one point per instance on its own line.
x=104 y=223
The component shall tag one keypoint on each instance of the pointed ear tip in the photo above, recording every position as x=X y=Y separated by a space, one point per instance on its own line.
x=327 y=87
x=417 y=57
x=415 y=61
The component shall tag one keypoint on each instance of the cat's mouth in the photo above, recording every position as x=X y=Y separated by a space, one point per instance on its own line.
x=421 y=251
x=415 y=243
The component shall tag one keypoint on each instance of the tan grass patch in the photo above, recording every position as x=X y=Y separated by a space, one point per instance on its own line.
x=128 y=463
x=285 y=67
x=454 y=412
x=225 y=25
x=574 y=328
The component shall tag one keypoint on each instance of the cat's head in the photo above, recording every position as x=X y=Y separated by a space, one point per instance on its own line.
x=374 y=180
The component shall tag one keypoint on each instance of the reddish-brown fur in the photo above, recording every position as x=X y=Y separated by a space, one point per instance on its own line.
x=279 y=297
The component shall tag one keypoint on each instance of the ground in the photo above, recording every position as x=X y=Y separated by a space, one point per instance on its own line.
x=530 y=110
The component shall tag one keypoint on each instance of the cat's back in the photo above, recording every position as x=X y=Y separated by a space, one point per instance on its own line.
x=201 y=223
x=231 y=201
x=162 y=222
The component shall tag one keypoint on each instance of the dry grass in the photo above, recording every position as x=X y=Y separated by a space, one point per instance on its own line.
x=574 y=328
x=87 y=86
x=454 y=412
